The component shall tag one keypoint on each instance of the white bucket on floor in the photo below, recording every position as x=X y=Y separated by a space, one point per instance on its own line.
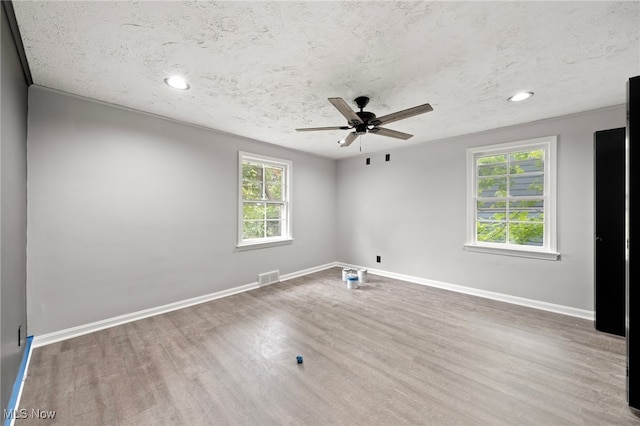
x=345 y=272
x=362 y=276
x=352 y=281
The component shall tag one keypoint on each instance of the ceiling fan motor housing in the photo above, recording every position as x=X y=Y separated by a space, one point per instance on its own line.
x=368 y=118
x=365 y=116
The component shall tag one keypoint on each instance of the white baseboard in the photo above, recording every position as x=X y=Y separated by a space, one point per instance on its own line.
x=68 y=333
x=531 y=303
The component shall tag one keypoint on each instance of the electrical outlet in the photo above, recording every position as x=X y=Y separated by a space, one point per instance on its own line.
x=368 y=161
x=377 y=259
x=387 y=157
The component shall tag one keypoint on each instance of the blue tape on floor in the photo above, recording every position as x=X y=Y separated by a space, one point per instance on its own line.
x=17 y=385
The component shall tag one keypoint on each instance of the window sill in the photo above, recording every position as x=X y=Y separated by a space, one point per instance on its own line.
x=264 y=244
x=513 y=252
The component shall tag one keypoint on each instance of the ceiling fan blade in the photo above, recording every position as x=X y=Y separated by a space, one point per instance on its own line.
x=391 y=133
x=345 y=109
x=349 y=139
x=313 y=129
x=401 y=115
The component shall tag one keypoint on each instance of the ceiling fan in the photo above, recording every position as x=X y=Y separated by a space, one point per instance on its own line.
x=364 y=121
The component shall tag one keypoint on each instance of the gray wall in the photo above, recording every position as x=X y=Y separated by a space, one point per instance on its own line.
x=13 y=211
x=129 y=211
x=411 y=211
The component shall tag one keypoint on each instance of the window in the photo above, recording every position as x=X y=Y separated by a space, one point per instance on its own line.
x=511 y=205
x=264 y=201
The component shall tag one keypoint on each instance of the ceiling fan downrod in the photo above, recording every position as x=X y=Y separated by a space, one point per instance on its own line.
x=361 y=101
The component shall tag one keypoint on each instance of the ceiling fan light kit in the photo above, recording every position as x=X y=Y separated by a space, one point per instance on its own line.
x=363 y=122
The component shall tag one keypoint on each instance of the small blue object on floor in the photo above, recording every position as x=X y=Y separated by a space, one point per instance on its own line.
x=299 y=359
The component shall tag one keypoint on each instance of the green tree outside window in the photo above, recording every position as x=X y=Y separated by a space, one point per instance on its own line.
x=510 y=198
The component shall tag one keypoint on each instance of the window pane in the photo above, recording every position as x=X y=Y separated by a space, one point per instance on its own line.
x=526 y=161
x=529 y=234
x=491 y=232
x=492 y=187
x=273 y=174
x=253 y=229
x=253 y=211
x=491 y=210
x=251 y=171
x=492 y=159
x=520 y=186
x=526 y=211
x=273 y=228
x=492 y=170
x=252 y=191
x=273 y=191
x=274 y=211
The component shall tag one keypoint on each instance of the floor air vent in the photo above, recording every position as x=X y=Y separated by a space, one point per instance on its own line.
x=268 y=278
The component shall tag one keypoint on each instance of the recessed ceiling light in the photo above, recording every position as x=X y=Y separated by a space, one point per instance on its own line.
x=520 y=96
x=177 y=82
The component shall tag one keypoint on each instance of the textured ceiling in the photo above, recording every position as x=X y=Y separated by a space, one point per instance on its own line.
x=262 y=69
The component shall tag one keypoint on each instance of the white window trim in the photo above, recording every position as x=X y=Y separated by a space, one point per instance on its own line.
x=549 y=250
x=244 y=245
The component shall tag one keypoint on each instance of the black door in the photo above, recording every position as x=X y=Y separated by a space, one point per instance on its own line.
x=633 y=235
x=610 y=298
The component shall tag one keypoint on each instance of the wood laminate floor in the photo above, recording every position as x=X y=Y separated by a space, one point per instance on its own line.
x=388 y=353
